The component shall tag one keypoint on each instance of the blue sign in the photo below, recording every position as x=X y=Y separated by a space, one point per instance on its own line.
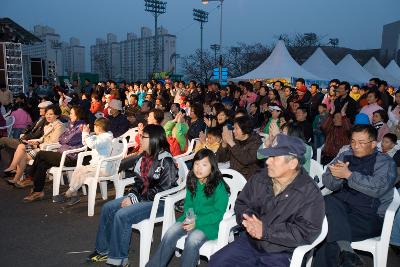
x=224 y=75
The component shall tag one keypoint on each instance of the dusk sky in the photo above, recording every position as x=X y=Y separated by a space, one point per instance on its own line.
x=357 y=23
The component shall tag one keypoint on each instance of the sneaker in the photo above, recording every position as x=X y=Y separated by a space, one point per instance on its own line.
x=349 y=259
x=61 y=198
x=73 y=200
x=96 y=257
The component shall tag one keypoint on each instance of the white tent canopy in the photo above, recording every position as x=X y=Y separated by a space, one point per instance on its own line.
x=393 y=69
x=376 y=69
x=279 y=64
x=320 y=64
x=350 y=67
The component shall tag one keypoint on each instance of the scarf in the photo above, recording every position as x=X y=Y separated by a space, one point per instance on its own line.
x=145 y=165
x=378 y=125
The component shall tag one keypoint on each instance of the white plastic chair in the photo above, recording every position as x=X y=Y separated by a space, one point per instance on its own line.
x=118 y=152
x=57 y=172
x=299 y=252
x=131 y=133
x=319 y=153
x=10 y=120
x=316 y=171
x=379 y=246
x=146 y=226
x=236 y=184
x=190 y=149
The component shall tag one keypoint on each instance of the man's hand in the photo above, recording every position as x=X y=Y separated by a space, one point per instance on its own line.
x=202 y=137
x=126 y=202
x=227 y=136
x=340 y=170
x=253 y=225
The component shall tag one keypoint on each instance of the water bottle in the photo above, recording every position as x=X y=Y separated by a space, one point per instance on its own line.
x=190 y=216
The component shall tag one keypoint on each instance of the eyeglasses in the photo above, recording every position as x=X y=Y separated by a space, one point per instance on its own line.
x=361 y=143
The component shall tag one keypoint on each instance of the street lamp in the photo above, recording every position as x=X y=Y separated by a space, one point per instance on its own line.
x=157 y=8
x=205 y=2
x=202 y=17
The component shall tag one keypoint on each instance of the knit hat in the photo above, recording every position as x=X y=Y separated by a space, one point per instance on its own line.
x=361 y=118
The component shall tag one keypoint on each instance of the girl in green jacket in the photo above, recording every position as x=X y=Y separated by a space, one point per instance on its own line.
x=205 y=205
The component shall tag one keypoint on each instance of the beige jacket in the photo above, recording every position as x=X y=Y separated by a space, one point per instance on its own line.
x=52 y=133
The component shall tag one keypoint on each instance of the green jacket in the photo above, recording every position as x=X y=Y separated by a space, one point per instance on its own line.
x=180 y=129
x=209 y=211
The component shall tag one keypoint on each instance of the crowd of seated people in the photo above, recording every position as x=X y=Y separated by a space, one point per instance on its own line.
x=269 y=133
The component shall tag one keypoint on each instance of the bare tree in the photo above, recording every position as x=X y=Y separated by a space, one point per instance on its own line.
x=193 y=69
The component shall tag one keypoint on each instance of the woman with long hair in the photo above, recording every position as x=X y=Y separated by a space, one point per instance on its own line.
x=155 y=172
x=205 y=205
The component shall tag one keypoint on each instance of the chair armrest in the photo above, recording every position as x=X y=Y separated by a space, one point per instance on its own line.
x=65 y=153
x=169 y=210
x=81 y=155
x=225 y=227
x=50 y=147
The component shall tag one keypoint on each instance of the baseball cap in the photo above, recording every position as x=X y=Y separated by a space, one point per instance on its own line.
x=285 y=145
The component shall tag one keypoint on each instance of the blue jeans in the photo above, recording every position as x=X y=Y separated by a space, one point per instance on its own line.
x=165 y=250
x=115 y=228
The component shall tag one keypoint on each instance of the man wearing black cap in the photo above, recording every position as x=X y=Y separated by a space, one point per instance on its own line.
x=279 y=210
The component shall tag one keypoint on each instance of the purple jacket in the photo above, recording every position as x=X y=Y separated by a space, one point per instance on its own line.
x=71 y=138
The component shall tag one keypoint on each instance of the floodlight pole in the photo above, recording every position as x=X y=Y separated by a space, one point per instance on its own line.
x=220 y=38
x=202 y=17
x=157 y=8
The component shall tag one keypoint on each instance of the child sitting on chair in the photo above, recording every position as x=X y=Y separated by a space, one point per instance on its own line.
x=101 y=145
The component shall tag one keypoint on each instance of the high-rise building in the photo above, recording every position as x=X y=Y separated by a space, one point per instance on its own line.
x=73 y=57
x=105 y=58
x=49 y=50
x=390 y=48
x=136 y=55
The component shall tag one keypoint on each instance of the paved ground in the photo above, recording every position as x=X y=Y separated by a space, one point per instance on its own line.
x=47 y=234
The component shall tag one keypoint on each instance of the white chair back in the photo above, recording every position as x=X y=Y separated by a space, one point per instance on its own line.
x=119 y=148
x=236 y=182
x=316 y=171
x=299 y=252
x=379 y=246
x=130 y=135
x=183 y=172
